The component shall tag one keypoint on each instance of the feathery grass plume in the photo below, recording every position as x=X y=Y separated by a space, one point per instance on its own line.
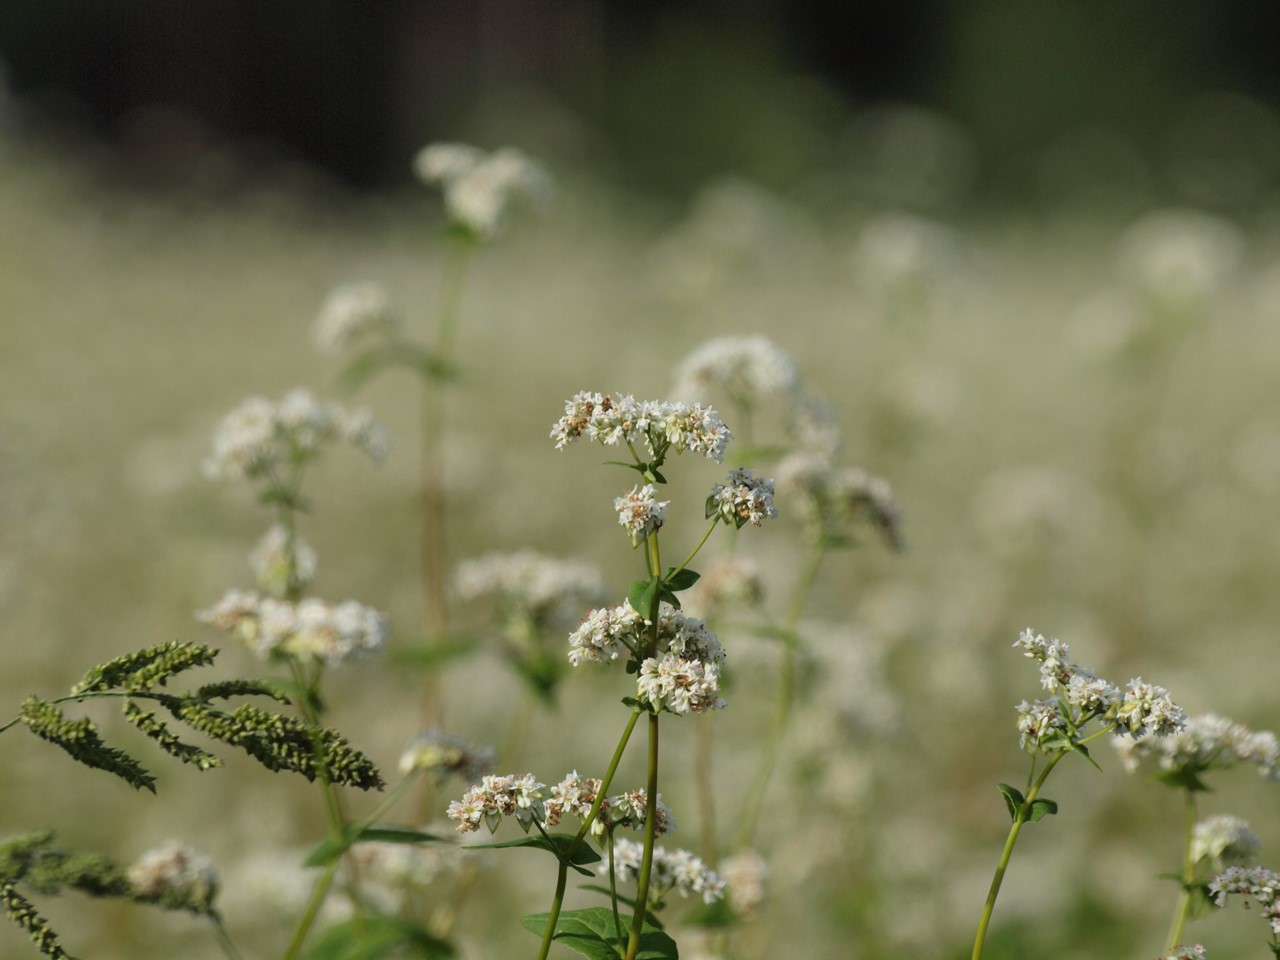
x=22 y=912
x=283 y=743
x=79 y=738
x=146 y=668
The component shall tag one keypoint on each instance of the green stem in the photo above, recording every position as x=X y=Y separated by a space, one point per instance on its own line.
x=318 y=895
x=650 y=834
x=1183 y=909
x=613 y=889
x=1024 y=811
x=750 y=816
x=715 y=522
x=224 y=938
x=557 y=899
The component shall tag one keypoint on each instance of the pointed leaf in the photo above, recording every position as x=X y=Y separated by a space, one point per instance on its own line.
x=330 y=849
x=1013 y=799
x=556 y=843
x=682 y=579
x=643 y=596
x=1081 y=749
x=1041 y=808
x=650 y=918
x=591 y=933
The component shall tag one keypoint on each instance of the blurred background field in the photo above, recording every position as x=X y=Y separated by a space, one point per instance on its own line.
x=1029 y=254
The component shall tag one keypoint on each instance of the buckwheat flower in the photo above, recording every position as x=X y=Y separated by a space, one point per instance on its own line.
x=176 y=877
x=676 y=870
x=1091 y=694
x=1148 y=709
x=1206 y=742
x=1054 y=656
x=350 y=312
x=604 y=633
x=610 y=420
x=746 y=877
x=687 y=636
x=680 y=685
x=1192 y=952
x=480 y=188
x=630 y=810
x=495 y=797
x=258 y=438
x=389 y=872
x=640 y=512
x=742 y=498
x=547 y=589
x=814 y=426
x=574 y=795
x=283 y=562
x=748 y=369
x=311 y=628
x=1256 y=883
x=1038 y=722
x=694 y=427
x=443 y=755
x=830 y=499
x=236 y=607
x=1224 y=840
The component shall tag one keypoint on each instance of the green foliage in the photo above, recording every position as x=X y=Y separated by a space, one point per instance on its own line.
x=565 y=846
x=21 y=911
x=1039 y=808
x=374 y=938
x=593 y=933
x=330 y=849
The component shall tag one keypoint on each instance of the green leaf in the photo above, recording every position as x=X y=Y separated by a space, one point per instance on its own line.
x=591 y=932
x=1081 y=749
x=643 y=596
x=1041 y=808
x=681 y=579
x=373 y=938
x=557 y=843
x=330 y=849
x=1185 y=778
x=1013 y=799
x=650 y=918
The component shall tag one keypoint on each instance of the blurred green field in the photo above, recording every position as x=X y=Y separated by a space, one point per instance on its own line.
x=1074 y=397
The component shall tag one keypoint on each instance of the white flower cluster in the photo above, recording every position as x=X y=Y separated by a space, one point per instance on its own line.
x=574 y=795
x=480 y=188
x=1181 y=255
x=444 y=755
x=282 y=562
x=517 y=795
x=610 y=419
x=389 y=872
x=348 y=313
x=742 y=498
x=1192 y=952
x=1138 y=710
x=545 y=588
x=676 y=870
x=1224 y=840
x=259 y=436
x=746 y=368
x=747 y=877
x=640 y=511
x=177 y=876
x=1206 y=742
x=831 y=498
x=311 y=628
x=1257 y=883
x=684 y=674
x=631 y=810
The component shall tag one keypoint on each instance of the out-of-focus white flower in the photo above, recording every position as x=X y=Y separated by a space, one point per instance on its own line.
x=546 y=589
x=746 y=876
x=480 y=188
x=640 y=512
x=831 y=498
x=898 y=250
x=664 y=427
x=348 y=313
x=748 y=369
x=742 y=498
x=1180 y=256
x=725 y=581
x=1206 y=742
x=1190 y=952
x=309 y=629
x=258 y=437
x=676 y=870
x=176 y=877
x=283 y=562
x=1224 y=840
x=443 y=755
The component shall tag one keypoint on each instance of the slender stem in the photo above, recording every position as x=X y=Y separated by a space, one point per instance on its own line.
x=1024 y=812
x=650 y=834
x=318 y=895
x=557 y=899
x=613 y=889
x=224 y=938
x=1183 y=909
x=751 y=807
x=715 y=522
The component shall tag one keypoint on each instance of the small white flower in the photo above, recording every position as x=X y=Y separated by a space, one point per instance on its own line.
x=175 y=876
x=604 y=634
x=748 y=369
x=311 y=628
x=1148 y=709
x=742 y=498
x=480 y=188
x=1038 y=721
x=495 y=797
x=349 y=313
x=1225 y=840
x=663 y=427
x=640 y=512
x=676 y=870
x=283 y=562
